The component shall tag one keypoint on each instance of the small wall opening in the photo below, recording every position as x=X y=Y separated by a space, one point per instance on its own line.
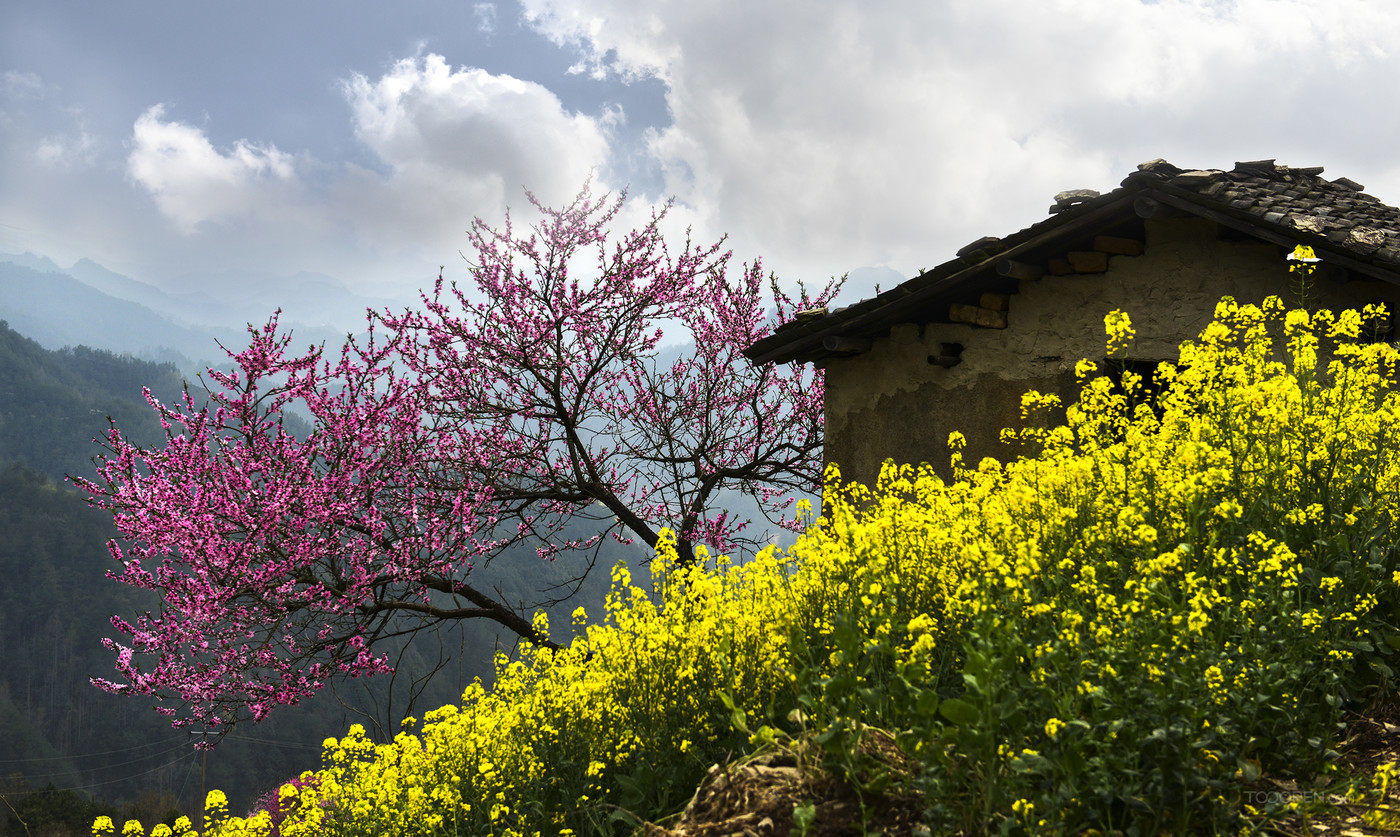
x=948 y=356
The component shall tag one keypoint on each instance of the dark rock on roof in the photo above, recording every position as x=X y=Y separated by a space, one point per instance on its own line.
x=1071 y=198
x=1259 y=198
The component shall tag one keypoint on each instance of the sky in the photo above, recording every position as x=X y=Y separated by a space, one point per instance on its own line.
x=188 y=142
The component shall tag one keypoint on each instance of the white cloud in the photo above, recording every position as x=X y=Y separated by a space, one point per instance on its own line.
x=458 y=143
x=20 y=85
x=446 y=145
x=834 y=135
x=39 y=127
x=67 y=150
x=193 y=183
x=485 y=17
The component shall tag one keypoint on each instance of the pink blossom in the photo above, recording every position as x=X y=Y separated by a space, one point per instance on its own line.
x=495 y=415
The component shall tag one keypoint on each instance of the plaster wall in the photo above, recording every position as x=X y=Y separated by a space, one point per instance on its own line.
x=892 y=402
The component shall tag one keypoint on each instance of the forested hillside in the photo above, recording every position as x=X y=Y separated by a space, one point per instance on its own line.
x=54 y=403
x=55 y=604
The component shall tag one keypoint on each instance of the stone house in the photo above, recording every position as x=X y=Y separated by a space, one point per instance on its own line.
x=955 y=347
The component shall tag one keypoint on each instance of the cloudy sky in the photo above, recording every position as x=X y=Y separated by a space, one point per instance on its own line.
x=357 y=138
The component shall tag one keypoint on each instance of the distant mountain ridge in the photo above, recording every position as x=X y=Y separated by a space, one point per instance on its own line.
x=57 y=310
x=115 y=284
x=91 y=305
x=312 y=300
x=230 y=298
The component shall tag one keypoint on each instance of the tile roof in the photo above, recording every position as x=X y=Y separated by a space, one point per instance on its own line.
x=1287 y=206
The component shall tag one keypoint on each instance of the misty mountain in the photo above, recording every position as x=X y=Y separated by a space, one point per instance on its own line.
x=115 y=284
x=232 y=298
x=57 y=310
x=106 y=310
x=43 y=264
x=307 y=299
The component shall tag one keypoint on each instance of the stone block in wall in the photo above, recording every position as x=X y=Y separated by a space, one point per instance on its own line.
x=1088 y=261
x=976 y=315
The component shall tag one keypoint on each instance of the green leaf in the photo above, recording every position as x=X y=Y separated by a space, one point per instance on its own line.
x=832 y=738
x=959 y=712
x=1249 y=769
x=1031 y=763
x=738 y=719
x=804 y=814
x=1073 y=761
x=633 y=794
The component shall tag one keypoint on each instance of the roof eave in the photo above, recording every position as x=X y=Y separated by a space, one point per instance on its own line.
x=804 y=343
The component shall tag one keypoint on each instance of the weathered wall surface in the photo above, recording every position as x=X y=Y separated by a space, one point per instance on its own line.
x=892 y=402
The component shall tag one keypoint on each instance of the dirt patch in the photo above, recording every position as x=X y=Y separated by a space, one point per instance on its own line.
x=1372 y=740
x=758 y=796
x=783 y=792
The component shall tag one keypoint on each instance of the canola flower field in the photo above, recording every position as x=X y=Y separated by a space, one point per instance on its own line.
x=1185 y=587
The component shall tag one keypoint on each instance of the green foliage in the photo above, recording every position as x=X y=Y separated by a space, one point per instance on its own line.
x=53 y=404
x=46 y=811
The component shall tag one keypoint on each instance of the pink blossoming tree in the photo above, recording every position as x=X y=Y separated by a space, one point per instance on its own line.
x=494 y=416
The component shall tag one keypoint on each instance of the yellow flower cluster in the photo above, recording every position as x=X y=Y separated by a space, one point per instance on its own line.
x=1202 y=568
x=543 y=749
x=103 y=827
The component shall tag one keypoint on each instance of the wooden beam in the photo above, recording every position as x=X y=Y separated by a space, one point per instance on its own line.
x=849 y=345
x=1059 y=267
x=1013 y=269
